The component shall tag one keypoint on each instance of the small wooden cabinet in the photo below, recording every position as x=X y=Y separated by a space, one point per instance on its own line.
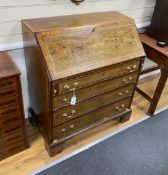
x=12 y=124
x=82 y=72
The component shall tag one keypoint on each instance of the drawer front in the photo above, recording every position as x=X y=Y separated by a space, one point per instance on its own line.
x=85 y=106
x=8 y=83
x=12 y=149
x=89 y=91
x=108 y=73
x=9 y=116
x=10 y=111
x=90 y=118
x=11 y=139
x=8 y=102
x=10 y=129
x=6 y=93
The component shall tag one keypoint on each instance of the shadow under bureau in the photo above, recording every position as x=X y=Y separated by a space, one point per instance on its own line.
x=13 y=138
x=82 y=72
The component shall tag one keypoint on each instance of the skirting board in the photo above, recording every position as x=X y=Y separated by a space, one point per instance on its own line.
x=20 y=45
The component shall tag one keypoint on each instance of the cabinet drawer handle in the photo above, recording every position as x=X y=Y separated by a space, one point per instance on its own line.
x=65 y=100
x=66 y=87
x=120 y=108
x=126 y=81
x=132 y=69
x=76 y=84
x=70 y=116
x=65 y=115
x=63 y=130
x=72 y=126
x=122 y=93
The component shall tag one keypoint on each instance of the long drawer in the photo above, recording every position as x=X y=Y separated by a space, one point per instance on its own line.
x=11 y=139
x=112 y=71
x=93 y=90
x=90 y=118
x=90 y=104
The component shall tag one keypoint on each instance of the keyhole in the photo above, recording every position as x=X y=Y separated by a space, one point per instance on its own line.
x=93 y=30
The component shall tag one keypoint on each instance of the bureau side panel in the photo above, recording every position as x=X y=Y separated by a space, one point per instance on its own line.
x=38 y=81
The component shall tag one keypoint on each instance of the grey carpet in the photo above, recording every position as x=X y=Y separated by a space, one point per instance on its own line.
x=139 y=150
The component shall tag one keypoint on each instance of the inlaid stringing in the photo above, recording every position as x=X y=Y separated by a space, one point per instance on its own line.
x=81 y=48
x=80 y=71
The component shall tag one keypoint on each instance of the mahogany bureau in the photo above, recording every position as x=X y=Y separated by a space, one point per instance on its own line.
x=12 y=126
x=82 y=72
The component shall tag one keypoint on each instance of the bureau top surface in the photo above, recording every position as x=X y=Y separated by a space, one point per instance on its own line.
x=7 y=66
x=70 y=21
x=88 y=42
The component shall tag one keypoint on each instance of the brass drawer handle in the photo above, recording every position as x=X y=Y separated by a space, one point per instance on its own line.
x=72 y=126
x=122 y=93
x=65 y=100
x=70 y=116
x=65 y=115
x=132 y=69
x=76 y=84
x=126 y=81
x=120 y=108
x=66 y=87
x=63 y=130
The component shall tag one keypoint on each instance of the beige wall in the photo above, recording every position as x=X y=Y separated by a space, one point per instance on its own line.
x=12 y=11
